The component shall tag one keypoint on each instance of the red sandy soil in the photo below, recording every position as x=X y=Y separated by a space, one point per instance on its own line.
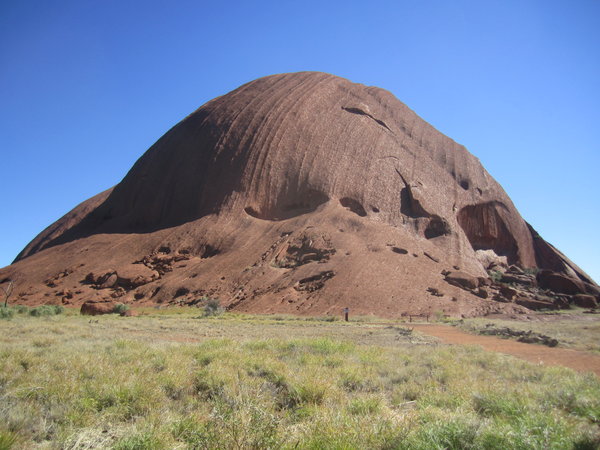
x=538 y=354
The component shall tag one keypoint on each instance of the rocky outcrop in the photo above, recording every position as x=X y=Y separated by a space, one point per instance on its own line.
x=126 y=278
x=560 y=283
x=462 y=280
x=535 y=303
x=287 y=195
x=490 y=260
x=97 y=307
x=585 y=301
x=545 y=290
x=302 y=249
x=528 y=337
x=507 y=292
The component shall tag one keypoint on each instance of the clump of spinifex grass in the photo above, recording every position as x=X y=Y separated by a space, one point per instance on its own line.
x=70 y=383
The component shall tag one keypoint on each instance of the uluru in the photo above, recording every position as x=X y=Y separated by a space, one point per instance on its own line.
x=302 y=193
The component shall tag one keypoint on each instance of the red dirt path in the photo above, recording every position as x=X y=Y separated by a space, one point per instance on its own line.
x=574 y=359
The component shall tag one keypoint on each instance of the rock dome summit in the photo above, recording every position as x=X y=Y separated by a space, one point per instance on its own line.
x=302 y=193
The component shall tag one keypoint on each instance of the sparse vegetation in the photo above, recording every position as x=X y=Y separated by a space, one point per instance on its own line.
x=175 y=381
x=21 y=309
x=438 y=316
x=38 y=311
x=212 y=307
x=46 y=310
x=531 y=271
x=495 y=275
x=120 y=308
x=580 y=332
x=6 y=313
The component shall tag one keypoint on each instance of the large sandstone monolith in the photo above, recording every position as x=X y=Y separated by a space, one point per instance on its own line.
x=301 y=193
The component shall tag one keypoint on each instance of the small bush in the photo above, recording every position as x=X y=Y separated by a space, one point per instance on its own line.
x=439 y=315
x=46 y=310
x=21 y=309
x=6 y=313
x=120 y=308
x=39 y=311
x=311 y=392
x=531 y=270
x=208 y=386
x=495 y=275
x=212 y=308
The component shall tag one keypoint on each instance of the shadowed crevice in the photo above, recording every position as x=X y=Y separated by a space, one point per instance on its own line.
x=437 y=227
x=304 y=202
x=354 y=206
x=409 y=205
x=360 y=112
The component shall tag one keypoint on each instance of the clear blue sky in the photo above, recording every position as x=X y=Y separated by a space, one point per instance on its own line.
x=87 y=86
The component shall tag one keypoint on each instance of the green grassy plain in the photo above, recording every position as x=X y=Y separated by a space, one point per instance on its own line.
x=172 y=379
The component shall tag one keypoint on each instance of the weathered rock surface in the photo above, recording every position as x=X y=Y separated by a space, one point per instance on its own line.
x=508 y=292
x=560 y=283
x=490 y=260
x=290 y=194
x=97 y=307
x=533 y=303
x=525 y=280
x=462 y=280
x=585 y=301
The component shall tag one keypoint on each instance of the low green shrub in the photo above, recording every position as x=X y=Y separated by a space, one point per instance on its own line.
x=21 y=309
x=46 y=310
x=212 y=308
x=120 y=308
x=207 y=385
x=495 y=275
x=438 y=315
x=6 y=313
x=531 y=270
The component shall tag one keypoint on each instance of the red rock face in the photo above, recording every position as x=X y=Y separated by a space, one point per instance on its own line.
x=96 y=308
x=285 y=179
